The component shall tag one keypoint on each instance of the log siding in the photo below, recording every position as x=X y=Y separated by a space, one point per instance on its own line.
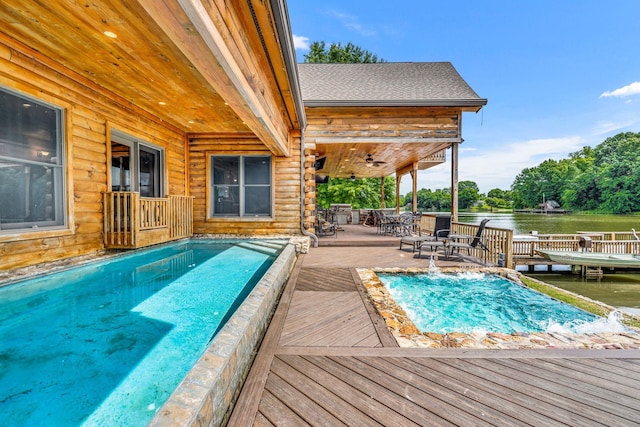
x=285 y=219
x=89 y=114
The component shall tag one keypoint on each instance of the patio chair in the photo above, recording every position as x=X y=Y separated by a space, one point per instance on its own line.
x=403 y=225
x=440 y=231
x=459 y=241
x=325 y=228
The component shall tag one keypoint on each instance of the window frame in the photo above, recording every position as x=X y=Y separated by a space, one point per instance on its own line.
x=57 y=164
x=242 y=186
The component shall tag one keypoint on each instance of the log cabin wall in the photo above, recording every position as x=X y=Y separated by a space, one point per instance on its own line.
x=286 y=178
x=89 y=113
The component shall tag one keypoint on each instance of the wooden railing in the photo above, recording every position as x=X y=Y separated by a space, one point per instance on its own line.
x=502 y=246
x=497 y=240
x=600 y=242
x=131 y=221
x=153 y=212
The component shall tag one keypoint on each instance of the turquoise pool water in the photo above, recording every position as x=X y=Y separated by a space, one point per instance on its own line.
x=107 y=343
x=477 y=302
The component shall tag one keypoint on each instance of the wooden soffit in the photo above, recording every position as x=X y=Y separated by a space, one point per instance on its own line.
x=371 y=142
x=201 y=66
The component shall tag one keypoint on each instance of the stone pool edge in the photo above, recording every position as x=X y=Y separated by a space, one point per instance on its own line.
x=407 y=334
x=208 y=391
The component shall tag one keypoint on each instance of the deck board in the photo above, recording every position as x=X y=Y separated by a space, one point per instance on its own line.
x=536 y=406
x=343 y=385
x=576 y=396
x=328 y=359
x=423 y=374
x=296 y=401
x=338 y=408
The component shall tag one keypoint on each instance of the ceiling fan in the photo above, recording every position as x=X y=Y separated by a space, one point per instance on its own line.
x=370 y=162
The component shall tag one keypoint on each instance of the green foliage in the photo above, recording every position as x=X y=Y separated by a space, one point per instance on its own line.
x=438 y=200
x=468 y=194
x=348 y=54
x=360 y=194
x=604 y=178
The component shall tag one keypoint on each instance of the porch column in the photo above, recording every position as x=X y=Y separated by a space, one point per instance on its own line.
x=382 y=206
x=454 y=181
x=414 y=191
x=398 y=179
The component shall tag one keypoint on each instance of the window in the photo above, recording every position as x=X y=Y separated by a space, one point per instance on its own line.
x=135 y=166
x=241 y=186
x=32 y=187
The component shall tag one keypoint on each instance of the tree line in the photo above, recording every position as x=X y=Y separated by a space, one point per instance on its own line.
x=602 y=179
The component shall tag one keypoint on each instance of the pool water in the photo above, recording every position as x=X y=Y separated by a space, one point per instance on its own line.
x=478 y=302
x=107 y=343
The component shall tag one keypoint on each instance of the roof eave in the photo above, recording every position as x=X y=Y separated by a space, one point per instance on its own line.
x=467 y=104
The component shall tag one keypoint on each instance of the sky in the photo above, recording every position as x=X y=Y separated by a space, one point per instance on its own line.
x=559 y=75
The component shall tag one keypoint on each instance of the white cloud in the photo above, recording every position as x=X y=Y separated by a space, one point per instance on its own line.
x=464 y=149
x=623 y=92
x=352 y=23
x=497 y=167
x=607 y=127
x=301 y=42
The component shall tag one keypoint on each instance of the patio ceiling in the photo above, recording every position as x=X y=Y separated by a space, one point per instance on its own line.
x=200 y=68
x=346 y=159
x=396 y=139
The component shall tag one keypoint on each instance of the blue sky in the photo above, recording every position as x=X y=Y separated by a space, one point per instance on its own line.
x=558 y=75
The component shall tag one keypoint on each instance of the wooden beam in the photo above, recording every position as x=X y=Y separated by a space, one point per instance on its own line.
x=210 y=52
x=381 y=140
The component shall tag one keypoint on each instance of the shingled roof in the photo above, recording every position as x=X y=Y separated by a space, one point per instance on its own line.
x=386 y=84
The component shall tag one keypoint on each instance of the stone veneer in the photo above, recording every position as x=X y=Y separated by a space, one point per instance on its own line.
x=408 y=335
x=208 y=392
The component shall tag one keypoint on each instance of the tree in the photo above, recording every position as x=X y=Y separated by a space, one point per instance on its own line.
x=468 y=194
x=360 y=193
x=348 y=54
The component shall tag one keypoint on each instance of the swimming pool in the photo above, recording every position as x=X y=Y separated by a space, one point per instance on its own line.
x=471 y=302
x=77 y=345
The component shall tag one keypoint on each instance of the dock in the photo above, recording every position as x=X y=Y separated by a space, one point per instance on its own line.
x=525 y=248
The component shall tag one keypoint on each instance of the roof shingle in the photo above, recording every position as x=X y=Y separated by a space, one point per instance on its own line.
x=385 y=84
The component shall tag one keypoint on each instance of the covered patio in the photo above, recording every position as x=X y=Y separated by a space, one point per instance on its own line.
x=378 y=119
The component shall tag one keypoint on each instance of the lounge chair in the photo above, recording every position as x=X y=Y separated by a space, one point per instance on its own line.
x=440 y=231
x=459 y=241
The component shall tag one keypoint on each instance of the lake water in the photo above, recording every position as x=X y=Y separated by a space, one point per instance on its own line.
x=619 y=288
x=522 y=223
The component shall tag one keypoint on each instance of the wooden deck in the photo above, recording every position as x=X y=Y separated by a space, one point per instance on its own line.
x=328 y=359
